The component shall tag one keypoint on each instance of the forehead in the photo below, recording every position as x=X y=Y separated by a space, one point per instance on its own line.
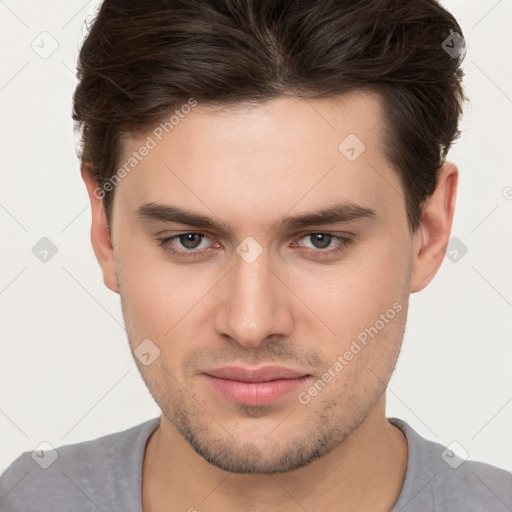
x=288 y=153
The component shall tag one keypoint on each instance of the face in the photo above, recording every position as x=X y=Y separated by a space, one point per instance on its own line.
x=300 y=264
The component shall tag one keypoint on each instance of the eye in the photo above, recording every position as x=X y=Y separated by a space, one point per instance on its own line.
x=325 y=244
x=185 y=245
x=192 y=245
x=320 y=240
x=190 y=240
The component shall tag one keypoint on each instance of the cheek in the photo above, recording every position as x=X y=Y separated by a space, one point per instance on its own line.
x=159 y=297
x=349 y=296
x=148 y=289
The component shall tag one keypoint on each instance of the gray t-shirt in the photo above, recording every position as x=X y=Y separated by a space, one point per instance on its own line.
x=105 y=475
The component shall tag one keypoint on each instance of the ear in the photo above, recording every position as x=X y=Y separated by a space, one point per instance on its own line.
x=100 y=235
x=433 y=233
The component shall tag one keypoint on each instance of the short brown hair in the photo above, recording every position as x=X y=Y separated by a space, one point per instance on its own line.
x=142 y=60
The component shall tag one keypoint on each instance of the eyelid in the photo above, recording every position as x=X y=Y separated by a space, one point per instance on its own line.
x=168 y=239
x=338 y=234
x=342 y=245
x=204 y=234
x=332 y=235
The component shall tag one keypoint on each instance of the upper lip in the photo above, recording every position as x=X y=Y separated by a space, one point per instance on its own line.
x=264 y=374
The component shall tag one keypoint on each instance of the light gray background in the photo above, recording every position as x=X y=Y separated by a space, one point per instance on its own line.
x=66 y=373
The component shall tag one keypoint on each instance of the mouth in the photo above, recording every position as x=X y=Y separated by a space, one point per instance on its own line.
x=255 y=387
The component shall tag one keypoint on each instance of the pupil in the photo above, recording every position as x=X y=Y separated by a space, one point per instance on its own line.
x=188 y=240
x=324 y=240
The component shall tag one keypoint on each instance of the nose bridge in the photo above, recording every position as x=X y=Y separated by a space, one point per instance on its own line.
x=252 y=307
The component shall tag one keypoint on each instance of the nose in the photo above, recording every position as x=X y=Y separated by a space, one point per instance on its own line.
x=254 y=303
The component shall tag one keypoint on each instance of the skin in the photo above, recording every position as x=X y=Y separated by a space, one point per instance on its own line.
x=250 y=167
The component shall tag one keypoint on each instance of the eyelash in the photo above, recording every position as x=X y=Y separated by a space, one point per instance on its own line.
x=192 y=254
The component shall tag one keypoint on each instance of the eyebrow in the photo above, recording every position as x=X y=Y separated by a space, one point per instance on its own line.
x=341 y=212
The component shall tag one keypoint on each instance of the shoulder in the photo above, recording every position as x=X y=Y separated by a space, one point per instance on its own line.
x=82 y=476
x=439 y=479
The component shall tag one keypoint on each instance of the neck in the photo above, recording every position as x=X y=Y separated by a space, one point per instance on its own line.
x=365 y=472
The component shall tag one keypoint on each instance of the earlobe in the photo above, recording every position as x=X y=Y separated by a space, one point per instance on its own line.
x=433 y=233
x=100 y=235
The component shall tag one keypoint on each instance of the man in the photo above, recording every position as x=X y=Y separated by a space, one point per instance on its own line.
x=268 y=183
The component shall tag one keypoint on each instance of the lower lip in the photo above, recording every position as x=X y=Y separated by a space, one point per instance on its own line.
x=255 y=393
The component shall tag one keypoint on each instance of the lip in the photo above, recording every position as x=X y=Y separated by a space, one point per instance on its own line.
x=261 y=386
x=263 y=374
